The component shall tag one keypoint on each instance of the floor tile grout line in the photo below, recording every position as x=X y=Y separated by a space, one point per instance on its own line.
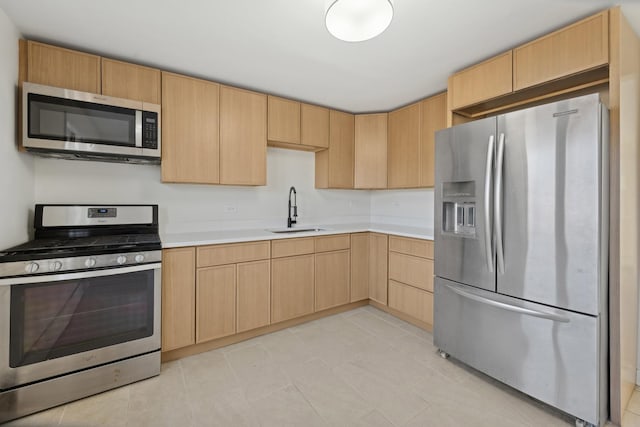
x=306 y=399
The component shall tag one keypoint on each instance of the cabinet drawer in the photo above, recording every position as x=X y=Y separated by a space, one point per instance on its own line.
x=409 y=300
x=578 y=47
x=332 y=243
x=415 y=247
x=229 y=254
x=290 y=247
x=411 y=270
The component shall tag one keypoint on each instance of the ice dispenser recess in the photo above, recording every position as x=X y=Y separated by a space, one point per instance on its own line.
x=459 y=208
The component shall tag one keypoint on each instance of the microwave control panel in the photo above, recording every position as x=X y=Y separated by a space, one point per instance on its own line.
x=149 y=129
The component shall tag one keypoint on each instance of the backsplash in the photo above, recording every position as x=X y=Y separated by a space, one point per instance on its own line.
x=191 y=207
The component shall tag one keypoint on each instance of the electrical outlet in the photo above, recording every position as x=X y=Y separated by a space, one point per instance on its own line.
x=230 y=209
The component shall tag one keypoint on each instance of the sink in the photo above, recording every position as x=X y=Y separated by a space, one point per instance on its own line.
x=296 y=230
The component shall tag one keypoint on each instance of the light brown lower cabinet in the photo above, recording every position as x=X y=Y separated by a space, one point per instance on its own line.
x=292 y=287
x=332 y=279
x=411 y=277
x=359 y=267
x=412 y=301
x=215 y=291
x=215 y=302
x=178 y=297
x=378 y=258
x=253 y=308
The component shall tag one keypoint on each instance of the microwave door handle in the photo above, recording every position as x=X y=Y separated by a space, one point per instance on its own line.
x=497 y=209
x=488 y=246
x=138 y=128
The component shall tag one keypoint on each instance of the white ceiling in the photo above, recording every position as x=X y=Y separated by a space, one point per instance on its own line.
x=282 y=47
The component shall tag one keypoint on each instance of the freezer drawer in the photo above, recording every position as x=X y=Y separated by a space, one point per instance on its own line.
x=552 y=355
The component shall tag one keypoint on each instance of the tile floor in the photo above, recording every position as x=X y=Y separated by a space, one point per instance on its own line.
x=631 y=416
x=359 y=368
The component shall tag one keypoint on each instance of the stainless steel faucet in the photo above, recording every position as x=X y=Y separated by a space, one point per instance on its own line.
x=291 y=221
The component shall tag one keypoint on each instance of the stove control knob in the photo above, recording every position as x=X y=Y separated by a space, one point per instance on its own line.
x=121 y=259
x=90 y=262
x=55 y=266
x=32 y=267
x=139 y=258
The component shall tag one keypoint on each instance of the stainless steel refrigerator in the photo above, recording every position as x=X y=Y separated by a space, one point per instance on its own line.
x=521 y=251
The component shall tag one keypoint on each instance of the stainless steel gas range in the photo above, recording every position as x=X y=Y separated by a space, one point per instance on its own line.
x=79 y=306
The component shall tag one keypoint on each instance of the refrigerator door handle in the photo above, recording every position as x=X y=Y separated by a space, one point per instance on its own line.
x=497 y=209
x=498 y=304
x=488 y=246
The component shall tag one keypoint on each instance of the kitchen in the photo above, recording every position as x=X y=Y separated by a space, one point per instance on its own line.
x=182 y=207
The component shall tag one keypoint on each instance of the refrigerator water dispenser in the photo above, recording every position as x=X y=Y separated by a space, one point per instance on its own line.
x=459 y=208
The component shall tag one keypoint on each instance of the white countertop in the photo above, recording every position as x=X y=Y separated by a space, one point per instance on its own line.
x=176 y=240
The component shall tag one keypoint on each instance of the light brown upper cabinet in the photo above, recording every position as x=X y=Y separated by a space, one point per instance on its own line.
x=190 y=143
x=434 y=118
x=314 y=126
x=483 y=81
x=243 y=137
x=334 y=166
x=403 y=150
x=370 y=167
x=130 y=81
x=56 y=66
x=578 y=47
x=284 y=120
x=297 y=126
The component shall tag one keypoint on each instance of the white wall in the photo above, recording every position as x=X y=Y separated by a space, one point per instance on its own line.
x=404 y=207
x=16 y=169
x=186 y=207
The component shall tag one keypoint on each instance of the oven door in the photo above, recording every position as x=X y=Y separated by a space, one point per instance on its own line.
x=57 y=324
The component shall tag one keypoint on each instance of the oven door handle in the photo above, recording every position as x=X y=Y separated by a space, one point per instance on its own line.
x=78 y=275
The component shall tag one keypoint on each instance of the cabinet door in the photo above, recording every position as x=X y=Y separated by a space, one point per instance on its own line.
x=370 y=169
x=190 y=147
x=215 y=302
x=483 y=81
x=178 y=297
x=378 y=258
x=332 y=279
x=253 y=299
x=292 y=287
x=404 y=147
x=243 y=137
x=314 y=126
x=359 y=266
x=409 y=300
x=334 y=167
x=69 y=69
x=130 y=81
x=283 y=120
x=434 y=118
x=578 y=47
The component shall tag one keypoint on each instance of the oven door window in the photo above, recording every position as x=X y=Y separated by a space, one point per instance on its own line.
x=78 y=121
x=51 y=320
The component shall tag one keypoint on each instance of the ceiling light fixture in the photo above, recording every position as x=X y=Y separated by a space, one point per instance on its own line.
x=358 y=20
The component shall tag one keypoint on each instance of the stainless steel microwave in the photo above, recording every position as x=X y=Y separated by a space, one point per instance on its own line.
x=66 y=123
